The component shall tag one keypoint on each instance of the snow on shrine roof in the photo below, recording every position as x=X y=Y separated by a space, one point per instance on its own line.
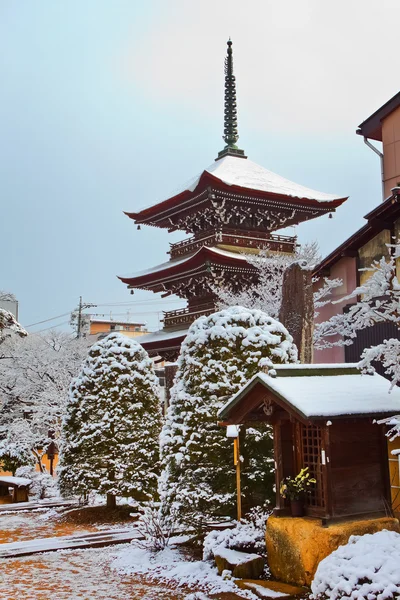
x=169 y=264
x=322 y=391
x=15 y=481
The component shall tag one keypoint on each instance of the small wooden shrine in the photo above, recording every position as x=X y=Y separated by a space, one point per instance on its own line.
x=324 y=417
x=14 y=489
x=234 y=205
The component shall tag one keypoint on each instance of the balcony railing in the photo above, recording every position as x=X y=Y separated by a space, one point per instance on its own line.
x=276 y=243
x=185 y=316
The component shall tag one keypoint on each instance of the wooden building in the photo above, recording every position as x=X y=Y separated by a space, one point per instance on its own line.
x=324 y=417
x=18 y=486
x=234 y=205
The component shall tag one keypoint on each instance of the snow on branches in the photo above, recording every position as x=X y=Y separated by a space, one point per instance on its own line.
x=112 y=424
x=266 y=292
x=219 y=355
x=9 y=325
x=375 y=301
x=35 y=375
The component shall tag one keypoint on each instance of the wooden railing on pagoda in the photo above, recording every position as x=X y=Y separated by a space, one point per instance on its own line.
x=185 y=316
x=275 y=243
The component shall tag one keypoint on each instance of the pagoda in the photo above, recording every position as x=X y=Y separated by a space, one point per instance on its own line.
x=233 y=206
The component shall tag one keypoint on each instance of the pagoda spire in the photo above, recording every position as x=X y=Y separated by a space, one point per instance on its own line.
x=231 y=135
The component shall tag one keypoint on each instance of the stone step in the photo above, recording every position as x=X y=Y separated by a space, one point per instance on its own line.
x=270 y=589
x=36 y=504
x=70 y=542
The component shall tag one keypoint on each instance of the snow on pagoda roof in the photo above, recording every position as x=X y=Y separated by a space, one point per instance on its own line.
x=161 y=335
x=169 y=264
x=245 y=173
x=327 y=391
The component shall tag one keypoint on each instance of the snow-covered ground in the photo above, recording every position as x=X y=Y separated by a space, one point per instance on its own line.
x=174 y=567
x=112 y=573
x=73 y=575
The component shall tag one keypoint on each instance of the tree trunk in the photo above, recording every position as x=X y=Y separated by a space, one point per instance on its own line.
x=297 y=309
x=111 y=501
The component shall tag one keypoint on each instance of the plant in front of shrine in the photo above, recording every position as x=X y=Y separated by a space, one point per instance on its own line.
x=112 y=424
x=219 y=355
x=295 y=488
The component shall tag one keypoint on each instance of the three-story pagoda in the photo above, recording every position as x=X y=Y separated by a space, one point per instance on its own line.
x=234 y=206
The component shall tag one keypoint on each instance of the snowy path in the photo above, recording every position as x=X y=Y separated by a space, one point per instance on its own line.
x=67 y=574
x=75 y=575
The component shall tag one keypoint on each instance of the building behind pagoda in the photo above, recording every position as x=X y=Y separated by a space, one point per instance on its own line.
x=234 y=207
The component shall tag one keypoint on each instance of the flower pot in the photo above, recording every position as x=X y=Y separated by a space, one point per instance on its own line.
x=297 y=508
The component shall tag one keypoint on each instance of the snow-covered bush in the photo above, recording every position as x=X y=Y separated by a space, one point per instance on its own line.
x=14 y=453
x=110 y=439
x=247 y=536
x=43 y=485
x=156 y=528
x=219 y=355
x=368 y=567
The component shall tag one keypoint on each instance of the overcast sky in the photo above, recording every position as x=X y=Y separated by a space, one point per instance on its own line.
x=108 y=106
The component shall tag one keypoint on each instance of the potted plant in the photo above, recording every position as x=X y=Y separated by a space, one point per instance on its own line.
x=295 y=488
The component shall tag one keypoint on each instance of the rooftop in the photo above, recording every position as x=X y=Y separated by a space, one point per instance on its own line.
x=324 y=391
x=247 y=174
x=372 y=126
x=378 y=219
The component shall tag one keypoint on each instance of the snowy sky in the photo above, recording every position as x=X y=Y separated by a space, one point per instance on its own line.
x=110 y=106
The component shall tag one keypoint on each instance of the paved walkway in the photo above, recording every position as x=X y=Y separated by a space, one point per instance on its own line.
x=68 y=542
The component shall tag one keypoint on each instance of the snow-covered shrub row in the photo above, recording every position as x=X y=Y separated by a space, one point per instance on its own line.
x=367 y=568
x=219 y=355
x=247 y=536
x=43 y=484
x=110 y=437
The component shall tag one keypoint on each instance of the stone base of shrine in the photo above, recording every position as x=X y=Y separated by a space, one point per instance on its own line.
x=295 y=546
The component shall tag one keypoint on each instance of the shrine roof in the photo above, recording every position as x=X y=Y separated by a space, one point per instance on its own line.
x=181 y=264
x=242 y=175
x=323 y=391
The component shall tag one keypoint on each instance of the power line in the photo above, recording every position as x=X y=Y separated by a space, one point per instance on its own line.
x=47 y=320
x=52 y=326
x=119 y=304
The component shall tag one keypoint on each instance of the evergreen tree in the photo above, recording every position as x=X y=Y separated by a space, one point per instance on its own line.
x=219 y=355
x=110 y=437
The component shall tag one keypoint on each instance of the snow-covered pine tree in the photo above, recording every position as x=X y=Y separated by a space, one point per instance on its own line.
x=110 y=438
x=219 y=355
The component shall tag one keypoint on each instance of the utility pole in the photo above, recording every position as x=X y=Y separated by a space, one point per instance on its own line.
x=77 y=316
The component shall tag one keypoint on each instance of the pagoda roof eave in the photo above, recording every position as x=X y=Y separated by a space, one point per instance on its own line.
x=163 y=340
x=188 y=264
x=182 y=200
